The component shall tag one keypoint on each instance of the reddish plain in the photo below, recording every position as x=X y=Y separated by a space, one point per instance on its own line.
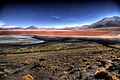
x=64 y=33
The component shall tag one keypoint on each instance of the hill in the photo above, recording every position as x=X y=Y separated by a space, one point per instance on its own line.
x=32 y=27
x=106 y=22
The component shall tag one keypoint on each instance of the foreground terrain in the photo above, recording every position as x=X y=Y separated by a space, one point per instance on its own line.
x=69 y=59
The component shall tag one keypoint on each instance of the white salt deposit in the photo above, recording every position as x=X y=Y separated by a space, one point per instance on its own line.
x=16 y=39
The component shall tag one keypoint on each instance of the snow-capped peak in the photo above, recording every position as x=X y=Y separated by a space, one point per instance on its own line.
x=114 y=18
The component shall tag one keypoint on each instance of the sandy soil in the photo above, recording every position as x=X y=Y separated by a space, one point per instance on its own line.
x=68 y=60
x=61 y=60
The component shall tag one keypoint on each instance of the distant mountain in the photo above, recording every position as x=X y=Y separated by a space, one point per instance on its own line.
x=32 y=27
x=10 y=28
x=2 y=29
x=112 y=23
x=70 y=28
x=106 y=22
x=17 y=28
x=84 y=26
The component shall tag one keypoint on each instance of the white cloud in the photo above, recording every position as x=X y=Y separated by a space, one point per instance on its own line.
x=55 y=17
x=2 y=24
x=10 y=26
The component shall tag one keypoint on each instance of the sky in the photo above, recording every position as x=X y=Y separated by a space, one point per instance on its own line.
x=56 y=13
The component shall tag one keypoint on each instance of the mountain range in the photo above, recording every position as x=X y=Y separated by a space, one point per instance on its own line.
x=107 y=22
x=32 y=27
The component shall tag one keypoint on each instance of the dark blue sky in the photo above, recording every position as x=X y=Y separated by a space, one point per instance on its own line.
x=57 y=14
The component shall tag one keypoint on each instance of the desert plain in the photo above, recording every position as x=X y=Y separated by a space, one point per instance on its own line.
x=63 y=55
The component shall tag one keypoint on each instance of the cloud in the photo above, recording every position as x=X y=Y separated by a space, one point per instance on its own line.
x=55 y=17
x=2 y=23
x=10 y=26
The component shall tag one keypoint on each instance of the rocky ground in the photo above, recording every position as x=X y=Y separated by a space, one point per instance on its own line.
x=60 y=60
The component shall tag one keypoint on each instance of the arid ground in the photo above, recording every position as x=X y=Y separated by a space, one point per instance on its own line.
x=64 y=59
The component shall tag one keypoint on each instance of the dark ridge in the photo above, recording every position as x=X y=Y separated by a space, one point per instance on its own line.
x=104 y=42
